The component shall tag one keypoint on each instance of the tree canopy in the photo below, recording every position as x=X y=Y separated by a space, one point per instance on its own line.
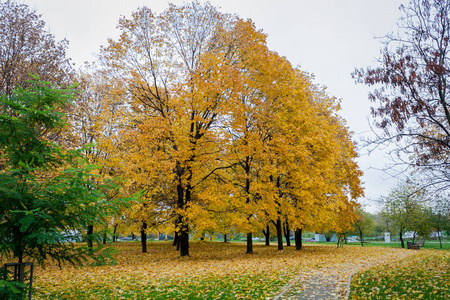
x=411 y=90
x=27 y=48
x=221 y=130
x=48 y=194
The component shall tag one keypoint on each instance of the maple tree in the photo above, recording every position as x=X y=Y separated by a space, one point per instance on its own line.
x=171 y=66
x=322 y=178
x=220 y=131
x=267 y=81
x=413 y=105
x=26 y=48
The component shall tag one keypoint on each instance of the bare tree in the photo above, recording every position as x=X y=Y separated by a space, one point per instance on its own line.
x=413 y=100
x=26 y=48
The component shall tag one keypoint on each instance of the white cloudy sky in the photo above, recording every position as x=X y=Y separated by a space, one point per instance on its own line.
x=326 y=37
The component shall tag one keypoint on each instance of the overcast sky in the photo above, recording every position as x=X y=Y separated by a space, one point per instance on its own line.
x=328 y=38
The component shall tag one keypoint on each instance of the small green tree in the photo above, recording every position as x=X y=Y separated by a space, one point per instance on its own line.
x=363 y=224
x=404 y=211
x=48 y=195
x=439 y=217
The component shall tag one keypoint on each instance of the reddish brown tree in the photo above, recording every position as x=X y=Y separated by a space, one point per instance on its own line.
x=26 y=48
x=414 y=98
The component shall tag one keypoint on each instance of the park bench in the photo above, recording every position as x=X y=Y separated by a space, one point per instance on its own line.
x=415 y=246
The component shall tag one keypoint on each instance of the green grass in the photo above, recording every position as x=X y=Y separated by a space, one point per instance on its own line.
x=423 y=276
x=428 y=245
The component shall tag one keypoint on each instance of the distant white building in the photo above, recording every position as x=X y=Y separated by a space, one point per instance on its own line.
x=436 y=234
x=409 y=235
x=321 y=238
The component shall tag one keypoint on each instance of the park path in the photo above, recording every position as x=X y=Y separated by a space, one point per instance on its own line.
x=333 y=282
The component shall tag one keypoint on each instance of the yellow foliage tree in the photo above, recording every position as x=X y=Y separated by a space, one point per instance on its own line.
x=222 y=132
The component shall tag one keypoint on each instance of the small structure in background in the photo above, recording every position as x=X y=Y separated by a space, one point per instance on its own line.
x=164 y=237
x=318 y=237
x=387 y=237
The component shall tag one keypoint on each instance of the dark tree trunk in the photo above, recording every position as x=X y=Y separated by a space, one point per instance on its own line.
x=298 y=238
x=184 y=197
x=361 y=236
x=175 y=239
x=105 y=235
x=20 y=257
x=89 y=233
x=114 y=239
x=184 y=240
x=279 y=234
x=414 y=237
x=401 y=238
x=341 y=239
x=287 y=233
x=249 y=243
x=267 y=235
x=225 y=238
x=247 y=192
x=439 y=237
x=133 y=236
x=144 y=237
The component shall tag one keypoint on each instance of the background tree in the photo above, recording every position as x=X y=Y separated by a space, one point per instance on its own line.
x=404 y=209
x=363 y=224
x=414 y=98
x=344 y=222
x=26 y=48
x=439 y=217
x=95 y=121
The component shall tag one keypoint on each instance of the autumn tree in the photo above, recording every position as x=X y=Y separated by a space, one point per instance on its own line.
x=412 y=93
x=176 y=71
x=26 y=48
x=322 y=178
x=345 y=220
x=269 y=82
x=94 y=123
x=210 y=132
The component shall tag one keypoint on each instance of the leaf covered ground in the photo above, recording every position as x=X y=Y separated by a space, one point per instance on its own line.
x=426 y=275
x=213 y=271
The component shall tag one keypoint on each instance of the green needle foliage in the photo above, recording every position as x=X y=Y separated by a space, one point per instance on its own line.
x=48 y=195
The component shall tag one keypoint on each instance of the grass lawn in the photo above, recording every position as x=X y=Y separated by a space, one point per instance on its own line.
x=428 y=245
x=213 y=271
x=425 y=275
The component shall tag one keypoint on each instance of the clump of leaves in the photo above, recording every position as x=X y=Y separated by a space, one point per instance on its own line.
x=422 y=276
